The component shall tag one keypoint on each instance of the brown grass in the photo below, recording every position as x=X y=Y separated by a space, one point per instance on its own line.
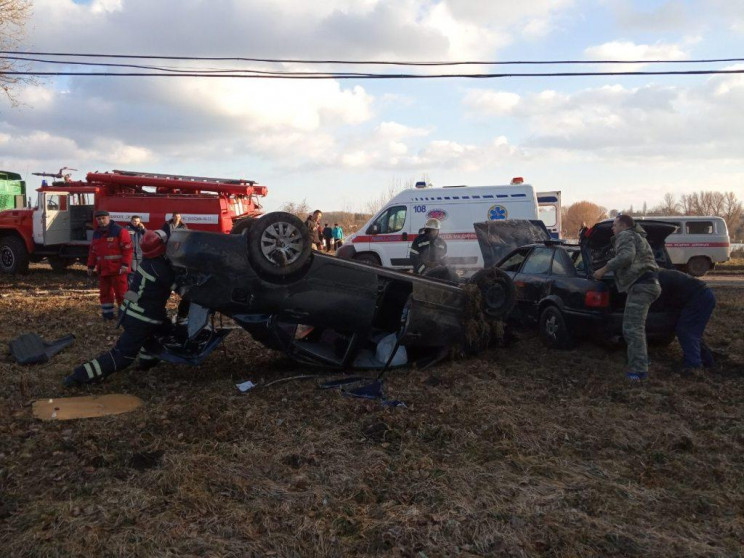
x=517 y=452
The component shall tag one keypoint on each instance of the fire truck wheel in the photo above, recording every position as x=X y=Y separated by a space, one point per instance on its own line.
x=498 y=294
x=243 y=227
x=13 y=255
x=59 y=264
x=279 y=245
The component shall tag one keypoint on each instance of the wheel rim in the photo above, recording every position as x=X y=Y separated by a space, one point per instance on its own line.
x=281 y=243
x=6 y=257
x=552 y=327
x=494 y=297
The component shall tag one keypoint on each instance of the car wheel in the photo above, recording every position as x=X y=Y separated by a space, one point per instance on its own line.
x=279 y=244
x=698 y=266
x=13 y=255
x=368 y=258
x=497 y=292
x=553 y=330
x=243 y=226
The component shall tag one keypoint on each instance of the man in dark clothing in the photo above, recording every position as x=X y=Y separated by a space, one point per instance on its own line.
x=695 y=302
x=313 y=225
x=428 y=249
x=136 y=232
x=327 y=237
x=144 y=316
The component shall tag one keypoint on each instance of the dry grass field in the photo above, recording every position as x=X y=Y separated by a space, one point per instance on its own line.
x=518 y=452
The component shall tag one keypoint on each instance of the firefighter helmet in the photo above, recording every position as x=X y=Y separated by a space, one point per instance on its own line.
x=153 y=244
x=432 y=224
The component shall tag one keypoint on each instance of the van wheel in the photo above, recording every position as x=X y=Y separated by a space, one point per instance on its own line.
x=13 y=255
x=498 y=294
x=368 y=258
x=553 y=329
x=59 y=264
x=279 y=244
x=698 y=266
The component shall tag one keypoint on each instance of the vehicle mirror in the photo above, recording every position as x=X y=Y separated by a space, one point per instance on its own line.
x=374 y=229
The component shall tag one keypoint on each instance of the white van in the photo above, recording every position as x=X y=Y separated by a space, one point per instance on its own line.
x=698 y=244
x=386 y=238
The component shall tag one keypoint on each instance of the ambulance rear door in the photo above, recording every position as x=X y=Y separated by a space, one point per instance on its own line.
x=549 y=211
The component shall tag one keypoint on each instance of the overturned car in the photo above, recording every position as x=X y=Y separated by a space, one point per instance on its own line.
x=322 y=310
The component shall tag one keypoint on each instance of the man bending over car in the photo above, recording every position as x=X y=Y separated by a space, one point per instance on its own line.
x=636 y=273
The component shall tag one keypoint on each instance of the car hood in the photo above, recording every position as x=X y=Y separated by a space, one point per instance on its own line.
x=498 y=238
x=598 y=236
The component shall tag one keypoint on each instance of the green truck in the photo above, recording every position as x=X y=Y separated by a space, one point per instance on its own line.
x=12 y=191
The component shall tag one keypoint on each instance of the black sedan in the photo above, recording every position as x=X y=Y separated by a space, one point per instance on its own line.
x=556 y=291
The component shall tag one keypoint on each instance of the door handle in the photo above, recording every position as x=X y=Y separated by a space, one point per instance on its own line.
x=405 y=236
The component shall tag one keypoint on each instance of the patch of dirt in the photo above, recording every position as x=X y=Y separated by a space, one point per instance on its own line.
x=519 y=451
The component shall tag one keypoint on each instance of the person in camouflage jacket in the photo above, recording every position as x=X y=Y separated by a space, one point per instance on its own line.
x=636 y=273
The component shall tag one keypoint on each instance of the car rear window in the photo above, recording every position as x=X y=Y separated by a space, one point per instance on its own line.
x=538 y=261
x=700 y=227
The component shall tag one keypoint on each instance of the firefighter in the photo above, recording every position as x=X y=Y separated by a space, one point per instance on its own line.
x=111 y=254
x=144 y=316
x=428 y=249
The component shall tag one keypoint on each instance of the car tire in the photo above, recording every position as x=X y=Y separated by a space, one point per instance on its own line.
x=243 y=226
x=59 y=264
x=553 y=329
x=368 y=258
x=498 y=294
x=13 y=255
x=279 y=245
x=698 y=266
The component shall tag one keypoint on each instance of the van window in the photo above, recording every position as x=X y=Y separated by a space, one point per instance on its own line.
x=548 y=215
x=539 y=261
x=391 y=220
x=700 y=227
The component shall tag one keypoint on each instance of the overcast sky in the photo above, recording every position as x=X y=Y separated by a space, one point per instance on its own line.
x=613 y=140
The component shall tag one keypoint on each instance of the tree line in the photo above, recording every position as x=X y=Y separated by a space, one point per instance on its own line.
x=706 y=203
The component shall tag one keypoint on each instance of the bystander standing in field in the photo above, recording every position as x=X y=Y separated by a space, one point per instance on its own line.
x=313 y=226
x=175 y=222
x=338 y=236
x=695 y=302
x=136 y=232
x=636 y=273
x=327 y=237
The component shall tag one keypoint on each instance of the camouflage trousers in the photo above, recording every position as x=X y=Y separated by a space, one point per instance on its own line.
x=640 y=297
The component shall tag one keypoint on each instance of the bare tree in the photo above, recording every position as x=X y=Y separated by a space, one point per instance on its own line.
x=300 y=209
x=13 y=17
x=396 y=186
x=581 y=213
x=669 y=206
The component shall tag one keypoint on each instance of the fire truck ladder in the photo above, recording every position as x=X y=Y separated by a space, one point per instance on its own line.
x=187 y=178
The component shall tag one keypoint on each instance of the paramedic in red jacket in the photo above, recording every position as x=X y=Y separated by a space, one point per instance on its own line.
x=111 y=253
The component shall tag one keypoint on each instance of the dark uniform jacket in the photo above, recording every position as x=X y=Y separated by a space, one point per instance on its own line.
x=678 y=288
x=149 y=291
x=427 y=252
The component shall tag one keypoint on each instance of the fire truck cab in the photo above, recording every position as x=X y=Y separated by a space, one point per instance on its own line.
x=60 y=227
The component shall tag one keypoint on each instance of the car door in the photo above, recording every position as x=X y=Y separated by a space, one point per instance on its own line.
x=389 y=236
x=532 y=282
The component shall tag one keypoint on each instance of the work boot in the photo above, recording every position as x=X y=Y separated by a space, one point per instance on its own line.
x=77 y=378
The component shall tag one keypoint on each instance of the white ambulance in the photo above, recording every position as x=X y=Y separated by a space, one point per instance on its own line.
x=386 y=238
x=698 y=244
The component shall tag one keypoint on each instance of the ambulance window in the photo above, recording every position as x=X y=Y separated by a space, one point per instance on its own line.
x=392 y=220
x=700 y=227
x=548 y=215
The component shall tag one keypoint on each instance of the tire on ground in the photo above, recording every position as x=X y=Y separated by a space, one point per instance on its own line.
x=13 y=255
x=368 y=258
x=498 y=294
x=553 y=329
x=279 y=245
x=698 y=266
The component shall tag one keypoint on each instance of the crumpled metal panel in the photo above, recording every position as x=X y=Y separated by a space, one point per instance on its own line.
x=498 y=238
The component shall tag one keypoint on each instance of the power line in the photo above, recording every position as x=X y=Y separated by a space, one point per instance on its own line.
x=370 y=62
x=255 y=74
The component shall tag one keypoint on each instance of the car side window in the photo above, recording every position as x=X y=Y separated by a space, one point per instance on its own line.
x=538 y=261
x=578 y=261
x=700 y=227
x=514 y=261
x=562 y=264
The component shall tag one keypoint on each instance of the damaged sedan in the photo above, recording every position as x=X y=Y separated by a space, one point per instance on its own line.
x=322 y=310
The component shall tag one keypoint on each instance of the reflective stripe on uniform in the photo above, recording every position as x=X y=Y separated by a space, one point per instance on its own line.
x=414 y=251
x=145 y=275
x=424 y=243
x=89 y=370
x=113 y=257
x=143 y=318
x=97 y=366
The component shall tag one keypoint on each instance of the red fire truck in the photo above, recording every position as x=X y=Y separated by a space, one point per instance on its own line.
x=61 y=226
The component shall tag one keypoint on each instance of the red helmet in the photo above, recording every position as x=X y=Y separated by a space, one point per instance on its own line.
x=153 y=244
